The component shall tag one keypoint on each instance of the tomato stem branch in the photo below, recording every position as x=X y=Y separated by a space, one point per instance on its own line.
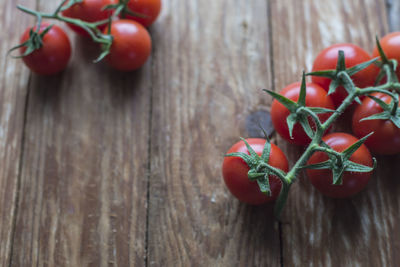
x=315 y=145
x=90 y=27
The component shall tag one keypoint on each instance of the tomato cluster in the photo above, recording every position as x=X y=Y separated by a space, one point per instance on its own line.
x=131 y=42
x=368 y=118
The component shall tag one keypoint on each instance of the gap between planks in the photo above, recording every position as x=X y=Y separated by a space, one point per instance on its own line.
x=21 y=160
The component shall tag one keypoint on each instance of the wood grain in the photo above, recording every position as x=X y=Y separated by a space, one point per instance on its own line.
x=114 y=169
x=83 y=199
x=14 y=79
x=211 y=60
x=393 y=14
x=319 y=231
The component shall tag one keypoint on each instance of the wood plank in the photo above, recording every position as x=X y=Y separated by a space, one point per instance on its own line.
x=84 y=177
x=211 y=60
x=393 y=14
x=14 y=80
x=318 y=231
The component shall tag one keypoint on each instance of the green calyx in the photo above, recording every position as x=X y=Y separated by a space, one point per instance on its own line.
x=299 y=111
x=390 y=111
x=91 y=28
x=260 y=170
x=388 y=66
x=341 y=75
x=340 y=162
x=35 y=41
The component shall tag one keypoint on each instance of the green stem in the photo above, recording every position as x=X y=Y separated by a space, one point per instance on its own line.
x=314 y=116
x=90 y=28
x=277 y=172
x=290 y=177
x=281 y=201
x=390 y=74
x=328 y=151
x=58 y=10
x=314 y=145
x=293 y=173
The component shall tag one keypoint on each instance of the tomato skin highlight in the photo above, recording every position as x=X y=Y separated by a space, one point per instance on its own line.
x=352 y=182
x=391 y=46
x=235 y=171
x=89 y=11
x=53 y=56
x=354 y=55
x=150 y=8
x=386 y=137
x=316 y=97
x=131 y=45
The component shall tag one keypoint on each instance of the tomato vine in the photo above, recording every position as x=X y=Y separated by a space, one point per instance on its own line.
x=91 y=28
x=338 y=162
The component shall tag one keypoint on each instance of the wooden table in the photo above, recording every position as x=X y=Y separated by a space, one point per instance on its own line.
x=101 y=168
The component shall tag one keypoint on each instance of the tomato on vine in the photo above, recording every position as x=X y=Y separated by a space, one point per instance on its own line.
x=316 y=97
x=386 y=137
x=131 y=45
x=352 y=182
x=327 y=60
x=391 y=46
x=89 y=11
x=49 y=49
x=147 y=11
x=235 y=172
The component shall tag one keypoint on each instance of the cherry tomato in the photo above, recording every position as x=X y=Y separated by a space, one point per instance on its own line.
x=89 y=11
x=54 y=54
x=391 y=46
x=235 y=171
x=149 y=8
x=354 y=55
x=386 y=137
x=131 y=45
x=352 y=182
x=315 y=97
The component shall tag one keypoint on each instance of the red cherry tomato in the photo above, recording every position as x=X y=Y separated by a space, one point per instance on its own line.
x=89 y=11
x=352 y=182
x=149 y=8
x=54 y=54
x=354 y=55
x=316 y=97
x=235 y=171
x=386 y=137
x=131 y=45
x=391 y=46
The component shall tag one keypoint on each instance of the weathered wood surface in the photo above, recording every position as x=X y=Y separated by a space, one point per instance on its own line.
x=14 y=80
x=393 y=7
x=209 y=70
x=100 y=168
x=83 y=193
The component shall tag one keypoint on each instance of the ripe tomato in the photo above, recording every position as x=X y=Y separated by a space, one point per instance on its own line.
x=354 y=55
x=391 y=46
x=235 y=171
x=316 y=97
x=89 y=11
x=386 y=137
x=54 y=54
x=149 y=8
x=352 y=182
x=131 y=45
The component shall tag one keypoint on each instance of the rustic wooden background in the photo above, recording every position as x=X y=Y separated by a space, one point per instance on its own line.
x=100 y=168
